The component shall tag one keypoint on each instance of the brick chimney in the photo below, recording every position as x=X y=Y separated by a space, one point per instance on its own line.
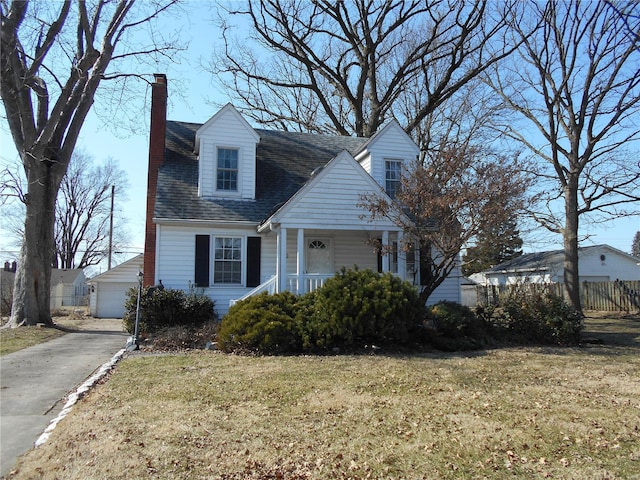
x=156 y=157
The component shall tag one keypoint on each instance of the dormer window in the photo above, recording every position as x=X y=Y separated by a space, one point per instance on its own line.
x=392 y=172
x=227 y=170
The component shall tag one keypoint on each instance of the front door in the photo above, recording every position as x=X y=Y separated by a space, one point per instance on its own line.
x=319 y=258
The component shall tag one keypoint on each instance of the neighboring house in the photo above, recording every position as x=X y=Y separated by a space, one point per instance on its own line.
x=468 y=292
x=68 y=288
x=598 y=263
x=235 y=210
x=108 y=291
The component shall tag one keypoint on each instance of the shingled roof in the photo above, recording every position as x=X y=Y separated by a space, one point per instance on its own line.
x=284 y=162
x=539 y=260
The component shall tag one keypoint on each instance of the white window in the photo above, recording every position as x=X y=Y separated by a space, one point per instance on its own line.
x=227 y=170
x=392 y=172
x=227 y=263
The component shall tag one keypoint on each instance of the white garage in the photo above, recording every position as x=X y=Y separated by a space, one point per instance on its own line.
x=107 y=291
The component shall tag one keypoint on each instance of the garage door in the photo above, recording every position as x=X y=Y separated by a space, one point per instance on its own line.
x=111 y=298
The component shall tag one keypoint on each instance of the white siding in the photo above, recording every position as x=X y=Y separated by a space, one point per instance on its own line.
x=392 y=143
x=176 y=260
x=108 y=290
x=332 y=200
x=615 y=266
x=125 y=272
x=499 y=278
x=365 y=161
x=349 y=248
x=227 y=130
x=268 y=257
x=592 y=268
x=449 y=289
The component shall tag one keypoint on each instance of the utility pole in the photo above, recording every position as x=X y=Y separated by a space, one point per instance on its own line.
x=113 y=189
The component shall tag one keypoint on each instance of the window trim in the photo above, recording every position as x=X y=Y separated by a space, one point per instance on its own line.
x=247 y=243
x=214 y=260
x=387 y=162
x=221 y=192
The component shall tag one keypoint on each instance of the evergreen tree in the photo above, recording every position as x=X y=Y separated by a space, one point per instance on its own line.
x=635 y=246
x=497 y=243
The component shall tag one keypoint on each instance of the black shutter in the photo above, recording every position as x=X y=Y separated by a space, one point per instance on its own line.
x=203 y=259
x=253 y=261
x=379 y=254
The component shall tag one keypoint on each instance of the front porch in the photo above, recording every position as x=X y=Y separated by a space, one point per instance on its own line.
x=306 y=258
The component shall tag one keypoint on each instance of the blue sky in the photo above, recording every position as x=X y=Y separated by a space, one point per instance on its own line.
x=195 y=104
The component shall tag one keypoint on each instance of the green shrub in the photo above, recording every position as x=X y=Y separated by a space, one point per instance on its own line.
x=352 y=309
x=455 y=327
x=453 y=320
x=534 y=318
x=358 y=307
x=167 y=308
x=262 y=323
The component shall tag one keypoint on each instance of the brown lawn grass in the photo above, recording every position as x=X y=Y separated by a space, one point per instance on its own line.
x=14 y=339
x=508 y=413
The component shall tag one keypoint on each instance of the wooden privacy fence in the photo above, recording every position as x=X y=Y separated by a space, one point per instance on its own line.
x=618 y=296
x=611 y=296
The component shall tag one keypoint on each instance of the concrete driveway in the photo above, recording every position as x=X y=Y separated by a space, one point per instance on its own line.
x=35 y=381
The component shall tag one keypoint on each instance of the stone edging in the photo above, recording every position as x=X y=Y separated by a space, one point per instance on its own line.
x=77 y=395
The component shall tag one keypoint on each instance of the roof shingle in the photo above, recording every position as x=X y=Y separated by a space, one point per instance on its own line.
x=284 y=162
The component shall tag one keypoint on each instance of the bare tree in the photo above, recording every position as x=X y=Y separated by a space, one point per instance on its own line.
x=446 y=200
x=83 y=207
x=347 y=67
x=83 y=212
x=342 y=66
x=53 y=57
x=576 y=81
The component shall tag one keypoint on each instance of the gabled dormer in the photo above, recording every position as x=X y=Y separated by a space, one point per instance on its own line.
x=226 y=149
x=387 y=154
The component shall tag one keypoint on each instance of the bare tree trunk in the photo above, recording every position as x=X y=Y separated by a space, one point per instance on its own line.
x=570 y=237
x=32 y=288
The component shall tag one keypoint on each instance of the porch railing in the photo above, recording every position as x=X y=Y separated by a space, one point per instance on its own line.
x=268 y=286
x=310 y=281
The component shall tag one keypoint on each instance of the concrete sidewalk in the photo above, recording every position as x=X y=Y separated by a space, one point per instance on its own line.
x=35 y=381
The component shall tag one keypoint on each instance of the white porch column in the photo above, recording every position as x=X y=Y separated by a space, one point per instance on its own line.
x=402 y=257
x=385 y=251
x=278 y=261
x=282 y=260
x=302 y=284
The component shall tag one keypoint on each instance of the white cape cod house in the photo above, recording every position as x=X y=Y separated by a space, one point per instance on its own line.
x=235 y=210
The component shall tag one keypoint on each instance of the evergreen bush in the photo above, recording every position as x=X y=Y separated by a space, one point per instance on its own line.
x=455 y=327
x=358 y=307
x=263 y=323
x=167 y=308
